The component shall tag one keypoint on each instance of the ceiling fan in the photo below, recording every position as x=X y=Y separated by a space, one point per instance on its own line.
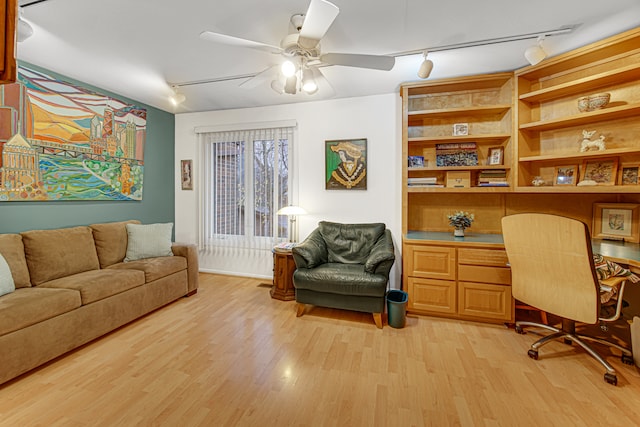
x=301 y=48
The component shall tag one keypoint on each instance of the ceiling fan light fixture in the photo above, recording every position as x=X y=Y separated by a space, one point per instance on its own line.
x=309 y=84
x=288 y=68
x=425 y=68
x=290 y=85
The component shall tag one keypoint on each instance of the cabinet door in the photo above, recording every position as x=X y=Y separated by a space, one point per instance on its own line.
x=486 y=301
x=433 y=262
x=480 y=273
x=429 y=295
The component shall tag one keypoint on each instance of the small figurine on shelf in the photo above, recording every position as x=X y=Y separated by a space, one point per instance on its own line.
x=587 y=144
x=460 y=220
x=538 y=181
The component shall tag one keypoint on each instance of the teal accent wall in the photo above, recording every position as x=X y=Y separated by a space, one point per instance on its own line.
x=158 y=198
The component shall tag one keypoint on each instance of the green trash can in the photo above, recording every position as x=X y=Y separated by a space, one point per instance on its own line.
x=397 y=308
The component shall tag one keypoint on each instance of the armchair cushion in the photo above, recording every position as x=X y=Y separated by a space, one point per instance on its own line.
x=343 y=279
x=350 y=243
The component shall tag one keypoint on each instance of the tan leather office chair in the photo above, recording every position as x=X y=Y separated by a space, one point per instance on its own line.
x=552 y=269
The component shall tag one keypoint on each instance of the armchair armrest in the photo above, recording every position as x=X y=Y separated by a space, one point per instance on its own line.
x=382 y=255
x=190 y=252
x=311 y=252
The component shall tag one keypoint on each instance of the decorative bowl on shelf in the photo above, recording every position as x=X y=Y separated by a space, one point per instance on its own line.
x=598 y=101
x=583 y=104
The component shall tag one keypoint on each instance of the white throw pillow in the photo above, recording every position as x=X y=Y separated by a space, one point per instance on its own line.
x=148 y=241
x=6 y=279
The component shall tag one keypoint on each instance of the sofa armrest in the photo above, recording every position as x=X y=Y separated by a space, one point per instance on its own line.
x=190 y=252
x=382 y=256
x=311 y=252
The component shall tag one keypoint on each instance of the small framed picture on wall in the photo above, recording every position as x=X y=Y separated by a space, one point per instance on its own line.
x=186 y=174
x=616 y=221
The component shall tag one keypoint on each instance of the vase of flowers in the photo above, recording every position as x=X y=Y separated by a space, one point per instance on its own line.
x=460 y=220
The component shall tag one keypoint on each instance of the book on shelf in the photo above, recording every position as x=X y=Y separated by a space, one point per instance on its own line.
x=457 y=154
x=493 y=178
x=425 y=180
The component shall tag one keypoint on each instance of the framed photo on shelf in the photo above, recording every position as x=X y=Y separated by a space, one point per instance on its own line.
x=616 y=221
x=629 y=174
x=416 y=162
x=495 y=156
x=565 y=175
x=461 y=129
x=601 y=171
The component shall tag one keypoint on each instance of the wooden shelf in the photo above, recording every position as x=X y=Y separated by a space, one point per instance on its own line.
x=575 y=189
x=457 y=84
x=580 y=156
x=580 y=86
x=458 y=168
x=612 y=113
x=486 y=138
x=426 y=189
x=484 y=110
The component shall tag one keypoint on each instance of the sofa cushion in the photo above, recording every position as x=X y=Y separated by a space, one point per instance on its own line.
x=6 y=280
x=12 y=250
x=95 y=285
x=154 y=268
x=52 y=254
x=350 y=243
x=28 y=306
x=148 y=241
x=111 y=241
x=344 y=279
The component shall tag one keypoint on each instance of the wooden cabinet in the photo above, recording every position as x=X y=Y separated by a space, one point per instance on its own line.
x=283 y=268
x=550 y=125
x=8 y=68
x=458 y=279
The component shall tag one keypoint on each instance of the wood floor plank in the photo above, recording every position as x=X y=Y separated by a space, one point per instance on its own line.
x=231 y=355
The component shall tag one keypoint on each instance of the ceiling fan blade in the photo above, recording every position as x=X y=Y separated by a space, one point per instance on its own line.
x=376 y=62
x=319 y=17
x=263 y=76
x=236 y=41
x=323 y=83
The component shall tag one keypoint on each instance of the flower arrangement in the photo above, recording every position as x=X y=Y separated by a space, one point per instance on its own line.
x=460 y=219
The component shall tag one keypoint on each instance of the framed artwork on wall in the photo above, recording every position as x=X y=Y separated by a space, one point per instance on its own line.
x=346 y=164
x=186 y=174
x=616 y=221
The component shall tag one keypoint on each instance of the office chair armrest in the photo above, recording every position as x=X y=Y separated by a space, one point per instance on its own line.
x=311 y=252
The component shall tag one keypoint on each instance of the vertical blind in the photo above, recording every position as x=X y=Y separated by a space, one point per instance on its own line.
x=246 y=179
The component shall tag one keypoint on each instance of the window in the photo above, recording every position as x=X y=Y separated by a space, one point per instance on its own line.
x=246 y=180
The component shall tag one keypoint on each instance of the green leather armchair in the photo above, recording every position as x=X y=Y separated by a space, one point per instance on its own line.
x=344 y=266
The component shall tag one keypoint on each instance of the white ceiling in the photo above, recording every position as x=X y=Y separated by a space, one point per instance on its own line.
x=135 y=48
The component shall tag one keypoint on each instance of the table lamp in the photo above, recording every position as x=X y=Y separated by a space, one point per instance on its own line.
x=292 y=212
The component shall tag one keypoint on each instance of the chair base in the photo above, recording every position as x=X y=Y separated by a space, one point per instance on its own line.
x=377 y=317
x=568 y=333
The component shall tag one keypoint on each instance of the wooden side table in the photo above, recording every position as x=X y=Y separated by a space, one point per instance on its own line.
x=283 y=268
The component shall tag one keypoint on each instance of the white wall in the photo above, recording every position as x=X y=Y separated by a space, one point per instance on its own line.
x=376 y=118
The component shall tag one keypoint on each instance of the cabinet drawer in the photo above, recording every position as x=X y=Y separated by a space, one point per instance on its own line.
x=481 y=300
x=477 y=273
x=490 y=257
x=432 y=295
x=433 y=262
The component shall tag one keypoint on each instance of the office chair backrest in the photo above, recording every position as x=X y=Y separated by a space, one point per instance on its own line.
x=552 y=265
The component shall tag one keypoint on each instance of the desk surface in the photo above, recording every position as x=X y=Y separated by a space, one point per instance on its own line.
x=620 y=252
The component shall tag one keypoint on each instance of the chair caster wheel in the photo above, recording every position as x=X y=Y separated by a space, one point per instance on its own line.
x=519 y=329
x=533 y=354
x=611 y=378
x=627 y=360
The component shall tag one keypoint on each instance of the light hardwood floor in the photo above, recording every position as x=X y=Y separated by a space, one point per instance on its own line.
x=231 y=355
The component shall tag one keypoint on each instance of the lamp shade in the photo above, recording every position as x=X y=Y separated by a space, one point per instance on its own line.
x=291 y=210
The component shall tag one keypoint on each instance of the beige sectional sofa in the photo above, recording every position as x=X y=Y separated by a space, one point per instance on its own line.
x=72 y=286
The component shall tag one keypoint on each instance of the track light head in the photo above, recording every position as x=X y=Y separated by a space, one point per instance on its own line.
x=176 y=98
x=425 y=68
x=535 y=53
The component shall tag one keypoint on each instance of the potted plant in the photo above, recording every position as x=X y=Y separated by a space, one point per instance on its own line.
x=460 y=220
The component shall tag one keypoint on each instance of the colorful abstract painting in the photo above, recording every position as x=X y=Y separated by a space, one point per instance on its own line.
x=61 y=141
